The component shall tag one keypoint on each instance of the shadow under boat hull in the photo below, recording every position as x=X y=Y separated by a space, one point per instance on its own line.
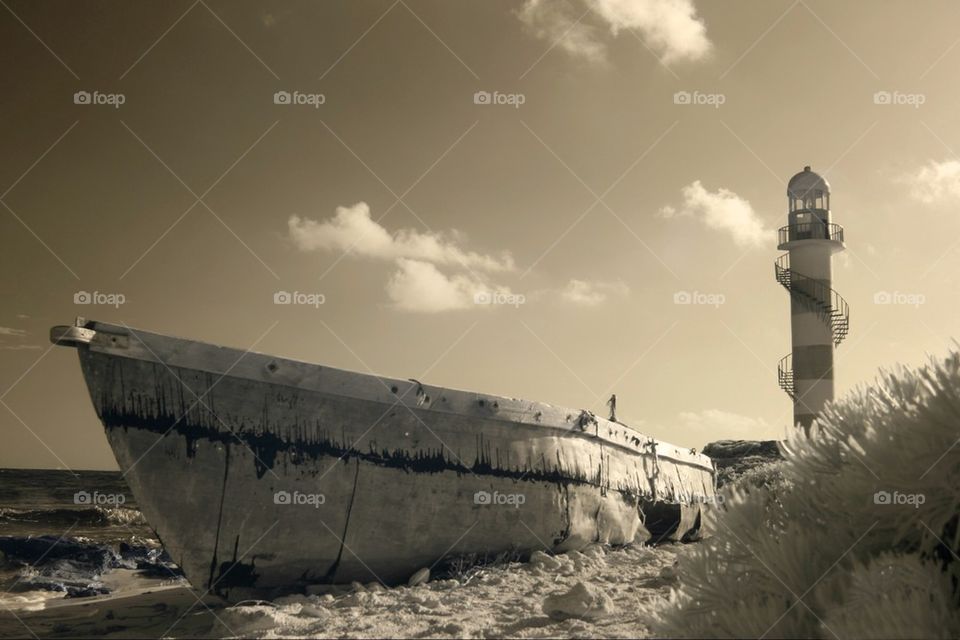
x=264 y=476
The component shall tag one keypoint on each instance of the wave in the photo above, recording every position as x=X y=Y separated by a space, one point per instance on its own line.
x=84 y=516
x=76 y=565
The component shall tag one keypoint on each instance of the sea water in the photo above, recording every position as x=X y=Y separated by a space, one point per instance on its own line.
x=61 y=532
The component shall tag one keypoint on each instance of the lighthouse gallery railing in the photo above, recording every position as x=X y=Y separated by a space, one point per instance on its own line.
x=810 y=231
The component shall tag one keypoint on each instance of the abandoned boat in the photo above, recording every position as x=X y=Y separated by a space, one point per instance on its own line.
x=263 y=475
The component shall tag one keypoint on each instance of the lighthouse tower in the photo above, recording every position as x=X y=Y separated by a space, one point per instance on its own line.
x=819 y=317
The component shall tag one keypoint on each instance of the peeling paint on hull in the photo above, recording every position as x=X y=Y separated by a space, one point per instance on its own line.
x=222 y=450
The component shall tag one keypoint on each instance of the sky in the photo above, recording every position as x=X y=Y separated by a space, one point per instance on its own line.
x=506 y=197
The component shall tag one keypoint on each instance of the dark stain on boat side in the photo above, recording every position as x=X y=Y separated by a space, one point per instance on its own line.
x=235 y=573
x=332 y=571
x=223 y=495
x=153 y=408
x=267 y=446
x=564 y=533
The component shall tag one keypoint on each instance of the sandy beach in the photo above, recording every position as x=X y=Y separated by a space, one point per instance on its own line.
x=506 y=600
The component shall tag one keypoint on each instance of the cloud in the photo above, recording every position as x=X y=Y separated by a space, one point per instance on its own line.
x=8 y=331
x=420 y=287
x=591 y=294
x=418 y=284
x=935 y=182
x=352 y=229
x=671 y=28
x=722 y=210
x=667 y=211
x=557 y=22
x=710 y=425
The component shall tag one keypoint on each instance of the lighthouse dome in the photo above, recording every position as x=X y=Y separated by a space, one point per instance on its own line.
x=808 y=190
x=807 y=182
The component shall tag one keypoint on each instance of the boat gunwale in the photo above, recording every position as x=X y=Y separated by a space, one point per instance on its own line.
x=151 y=356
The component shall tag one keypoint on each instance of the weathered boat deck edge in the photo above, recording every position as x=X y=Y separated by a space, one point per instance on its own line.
x=257 y=366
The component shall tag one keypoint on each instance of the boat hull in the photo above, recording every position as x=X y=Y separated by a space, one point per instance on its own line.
x=265 y=476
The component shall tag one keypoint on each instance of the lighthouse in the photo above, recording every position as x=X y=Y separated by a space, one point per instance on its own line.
x=819 y=316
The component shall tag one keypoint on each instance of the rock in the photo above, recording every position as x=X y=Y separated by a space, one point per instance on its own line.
x=293 y=599
x=441 y=585
x=356 y=586
x=579 y=560
x=575 y=627
x=312 y=610
x=743 y=448
x=670 y=572
x=353 y=600
x=582 y=601
x=430 y=602
x=734 y=458
x=450 y=629
x=492 y=579
x=567 y=566
x=539 y=559
x=375 y=587
x=420 y=577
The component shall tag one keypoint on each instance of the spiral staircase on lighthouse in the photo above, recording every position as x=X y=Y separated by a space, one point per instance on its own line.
x=813 y=294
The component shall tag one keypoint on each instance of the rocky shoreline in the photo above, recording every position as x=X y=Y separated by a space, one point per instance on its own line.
x=734 y=458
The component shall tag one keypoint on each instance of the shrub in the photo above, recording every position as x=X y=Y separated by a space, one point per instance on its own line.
x=860 y=539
